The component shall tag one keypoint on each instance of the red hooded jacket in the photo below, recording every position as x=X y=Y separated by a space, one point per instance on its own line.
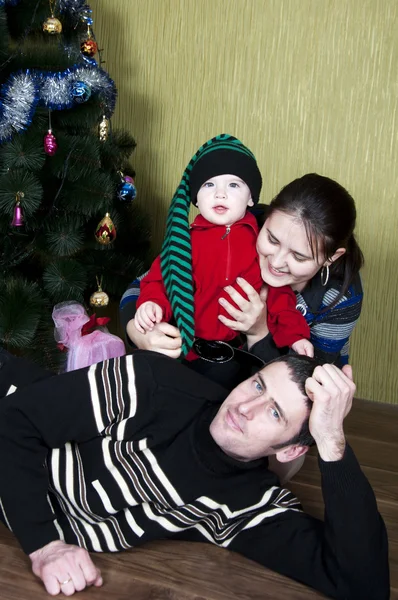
x=219 y=256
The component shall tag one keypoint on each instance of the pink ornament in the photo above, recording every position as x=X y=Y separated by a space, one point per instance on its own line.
x=17 y=220
x=50 y=143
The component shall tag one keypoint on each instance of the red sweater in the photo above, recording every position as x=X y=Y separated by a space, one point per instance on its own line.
x=218 y=258
x=285 y=323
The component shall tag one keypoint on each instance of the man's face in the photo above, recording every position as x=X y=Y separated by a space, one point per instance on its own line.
x=263 y=411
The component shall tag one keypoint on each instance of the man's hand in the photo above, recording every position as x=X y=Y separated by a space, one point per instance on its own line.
x=64 y=568
x=331 y=390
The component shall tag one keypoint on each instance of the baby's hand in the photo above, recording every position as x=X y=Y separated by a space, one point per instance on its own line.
x=147 y=315
x=303 y=347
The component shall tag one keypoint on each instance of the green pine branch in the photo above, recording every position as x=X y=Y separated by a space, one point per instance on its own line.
x=23 y=152
x=65 y=279
x=21 y=308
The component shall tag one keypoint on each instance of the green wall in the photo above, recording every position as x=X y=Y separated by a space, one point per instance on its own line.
x=308 y=85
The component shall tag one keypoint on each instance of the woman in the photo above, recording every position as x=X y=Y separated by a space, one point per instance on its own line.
x=307 y=242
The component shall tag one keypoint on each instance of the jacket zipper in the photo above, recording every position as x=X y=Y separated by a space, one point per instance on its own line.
x=227 y=231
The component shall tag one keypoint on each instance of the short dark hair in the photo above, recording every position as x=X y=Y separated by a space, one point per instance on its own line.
x=300 y=368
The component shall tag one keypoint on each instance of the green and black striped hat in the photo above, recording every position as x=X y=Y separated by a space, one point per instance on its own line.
x=221 y=155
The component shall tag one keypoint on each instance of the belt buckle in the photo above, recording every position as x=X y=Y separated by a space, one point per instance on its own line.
x=213 y=351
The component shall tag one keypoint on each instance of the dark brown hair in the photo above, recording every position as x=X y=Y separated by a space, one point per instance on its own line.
x=328 y=214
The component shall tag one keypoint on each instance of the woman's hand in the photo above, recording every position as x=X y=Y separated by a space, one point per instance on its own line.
x=163 y=338
x=251 y=316
x=64 y=568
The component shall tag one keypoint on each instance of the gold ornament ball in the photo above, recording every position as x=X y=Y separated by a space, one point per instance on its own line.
x=99 y=298
x=52 y=25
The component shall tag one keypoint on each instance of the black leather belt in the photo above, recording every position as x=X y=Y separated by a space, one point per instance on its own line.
x=213 y=351
x=223 y=352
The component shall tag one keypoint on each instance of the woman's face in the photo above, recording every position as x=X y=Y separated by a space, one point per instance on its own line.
x=285 y=253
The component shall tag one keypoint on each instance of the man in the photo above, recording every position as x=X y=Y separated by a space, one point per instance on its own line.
x=141 y=448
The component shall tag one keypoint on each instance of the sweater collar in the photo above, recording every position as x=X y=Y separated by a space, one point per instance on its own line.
x=248 y=220
x=210 y=454
x=314 y=292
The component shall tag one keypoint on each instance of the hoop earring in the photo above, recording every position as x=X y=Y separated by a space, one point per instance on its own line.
x=324 y=279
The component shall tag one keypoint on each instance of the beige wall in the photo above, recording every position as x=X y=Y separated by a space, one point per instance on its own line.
x=309 y=85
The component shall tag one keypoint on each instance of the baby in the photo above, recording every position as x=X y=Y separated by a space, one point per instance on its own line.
x=188 y=279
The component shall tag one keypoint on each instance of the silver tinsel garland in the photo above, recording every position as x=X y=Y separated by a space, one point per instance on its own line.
x=55 y=89
x=25 y=90
x=21 y=96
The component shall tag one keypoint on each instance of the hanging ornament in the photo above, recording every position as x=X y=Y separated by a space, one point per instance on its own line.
x=103 y=129
x=126 y=190
x=52 y=25
x=81 y=91
x=50 y=143
x=18 y=219
x=86 y=15
x=99 y=298
x=106 y=231
x=89 y=46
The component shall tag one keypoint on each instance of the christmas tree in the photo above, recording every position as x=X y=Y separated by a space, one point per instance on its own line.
x=66 y=185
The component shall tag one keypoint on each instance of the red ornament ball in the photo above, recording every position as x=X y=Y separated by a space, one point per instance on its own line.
x=89 y=47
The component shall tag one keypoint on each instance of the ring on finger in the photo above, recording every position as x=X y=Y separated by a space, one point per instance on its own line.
x=66 y=581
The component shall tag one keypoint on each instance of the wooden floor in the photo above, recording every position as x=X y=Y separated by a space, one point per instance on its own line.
x=183 y=571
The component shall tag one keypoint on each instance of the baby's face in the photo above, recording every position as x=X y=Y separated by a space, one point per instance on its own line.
x=223 y=199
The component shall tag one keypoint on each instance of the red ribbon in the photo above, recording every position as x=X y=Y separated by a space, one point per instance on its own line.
x=93 y=323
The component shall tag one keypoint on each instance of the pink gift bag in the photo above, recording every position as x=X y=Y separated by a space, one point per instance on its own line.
x=73 y=330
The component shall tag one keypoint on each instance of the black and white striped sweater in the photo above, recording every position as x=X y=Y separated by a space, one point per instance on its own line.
x=120 y=453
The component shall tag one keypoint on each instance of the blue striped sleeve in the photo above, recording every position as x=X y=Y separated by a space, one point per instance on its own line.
x=331 y=329
x=128 y=303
